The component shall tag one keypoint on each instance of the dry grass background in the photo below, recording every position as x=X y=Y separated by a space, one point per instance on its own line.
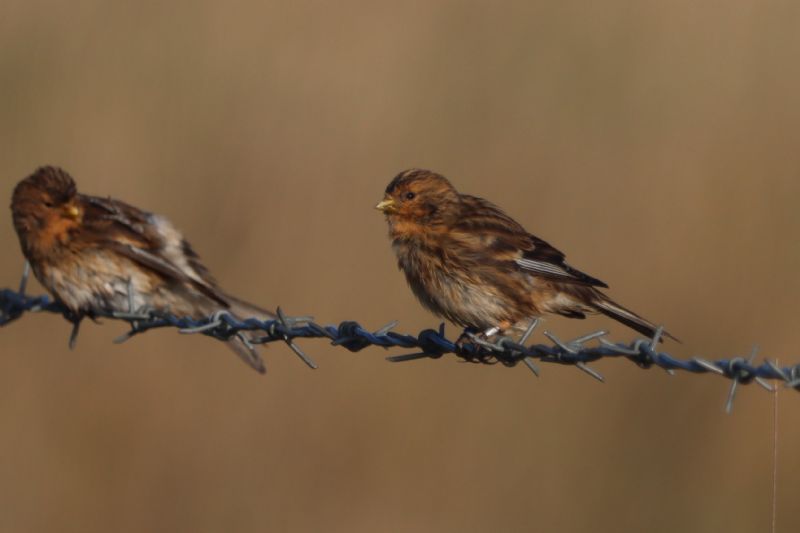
x=655 y=142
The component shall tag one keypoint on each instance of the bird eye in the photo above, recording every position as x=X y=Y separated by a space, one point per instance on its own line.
x=48 y=204
x=410 y=195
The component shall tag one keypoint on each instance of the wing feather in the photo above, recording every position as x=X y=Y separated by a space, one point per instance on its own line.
x=149 y=240
x=507 y=239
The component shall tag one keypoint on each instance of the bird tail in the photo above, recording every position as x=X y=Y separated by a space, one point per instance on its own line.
x=247 y=353
x=240 y=344
x=611 y=309
x=243 y=310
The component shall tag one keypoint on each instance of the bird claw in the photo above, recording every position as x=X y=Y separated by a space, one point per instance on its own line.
x=465 y=339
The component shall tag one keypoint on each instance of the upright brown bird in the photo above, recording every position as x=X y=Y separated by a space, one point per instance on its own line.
x=467 y=261
x=98 y=255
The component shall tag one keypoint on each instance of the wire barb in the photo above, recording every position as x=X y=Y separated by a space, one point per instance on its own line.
x=739 y=374
x=296 y=349
x=26 y=273
x=428 y=344
x=73 y=336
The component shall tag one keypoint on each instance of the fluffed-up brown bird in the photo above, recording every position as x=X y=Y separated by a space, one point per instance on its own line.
x=468 y=261
x=99 y=255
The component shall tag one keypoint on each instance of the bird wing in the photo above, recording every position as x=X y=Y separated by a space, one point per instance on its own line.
x=503 y=239
x=542 y=259
x=149 y=240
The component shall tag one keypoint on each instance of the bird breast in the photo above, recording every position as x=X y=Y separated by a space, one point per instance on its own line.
x=447 y=288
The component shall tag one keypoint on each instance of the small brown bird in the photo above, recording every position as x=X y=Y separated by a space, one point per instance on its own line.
x=469 y=262
x=99 y=255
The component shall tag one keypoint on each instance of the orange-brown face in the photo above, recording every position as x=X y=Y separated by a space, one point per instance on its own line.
x=421 y=196
x=44 y=206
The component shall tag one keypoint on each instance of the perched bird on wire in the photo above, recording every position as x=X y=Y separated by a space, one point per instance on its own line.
x=100 y=256
x=469 y=262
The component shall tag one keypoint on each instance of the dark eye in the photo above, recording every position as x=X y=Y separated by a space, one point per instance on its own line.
x=48 y=204
x=410 y=195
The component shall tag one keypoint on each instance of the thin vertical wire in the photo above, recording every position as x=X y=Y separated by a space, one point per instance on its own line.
x=774 y=459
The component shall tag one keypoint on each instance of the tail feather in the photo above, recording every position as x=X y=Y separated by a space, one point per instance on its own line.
x=240 y=346
x=244 y=310
x=247 y=353
x=613 y=310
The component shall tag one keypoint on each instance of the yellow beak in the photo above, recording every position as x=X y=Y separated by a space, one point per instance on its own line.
x=387 y=206
x=72 y=212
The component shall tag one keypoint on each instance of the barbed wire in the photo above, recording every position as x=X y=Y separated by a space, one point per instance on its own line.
x=429 y=343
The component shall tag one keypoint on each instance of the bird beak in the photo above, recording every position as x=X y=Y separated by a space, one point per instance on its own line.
x=72 y=212
x=387 y=206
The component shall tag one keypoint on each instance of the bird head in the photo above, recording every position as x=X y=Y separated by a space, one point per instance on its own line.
x=420 y=196
x=43 y=202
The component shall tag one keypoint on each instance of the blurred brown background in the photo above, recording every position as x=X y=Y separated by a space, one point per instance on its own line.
x=655 y=142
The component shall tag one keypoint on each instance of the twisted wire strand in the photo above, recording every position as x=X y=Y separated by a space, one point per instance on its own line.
x=428 y=343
